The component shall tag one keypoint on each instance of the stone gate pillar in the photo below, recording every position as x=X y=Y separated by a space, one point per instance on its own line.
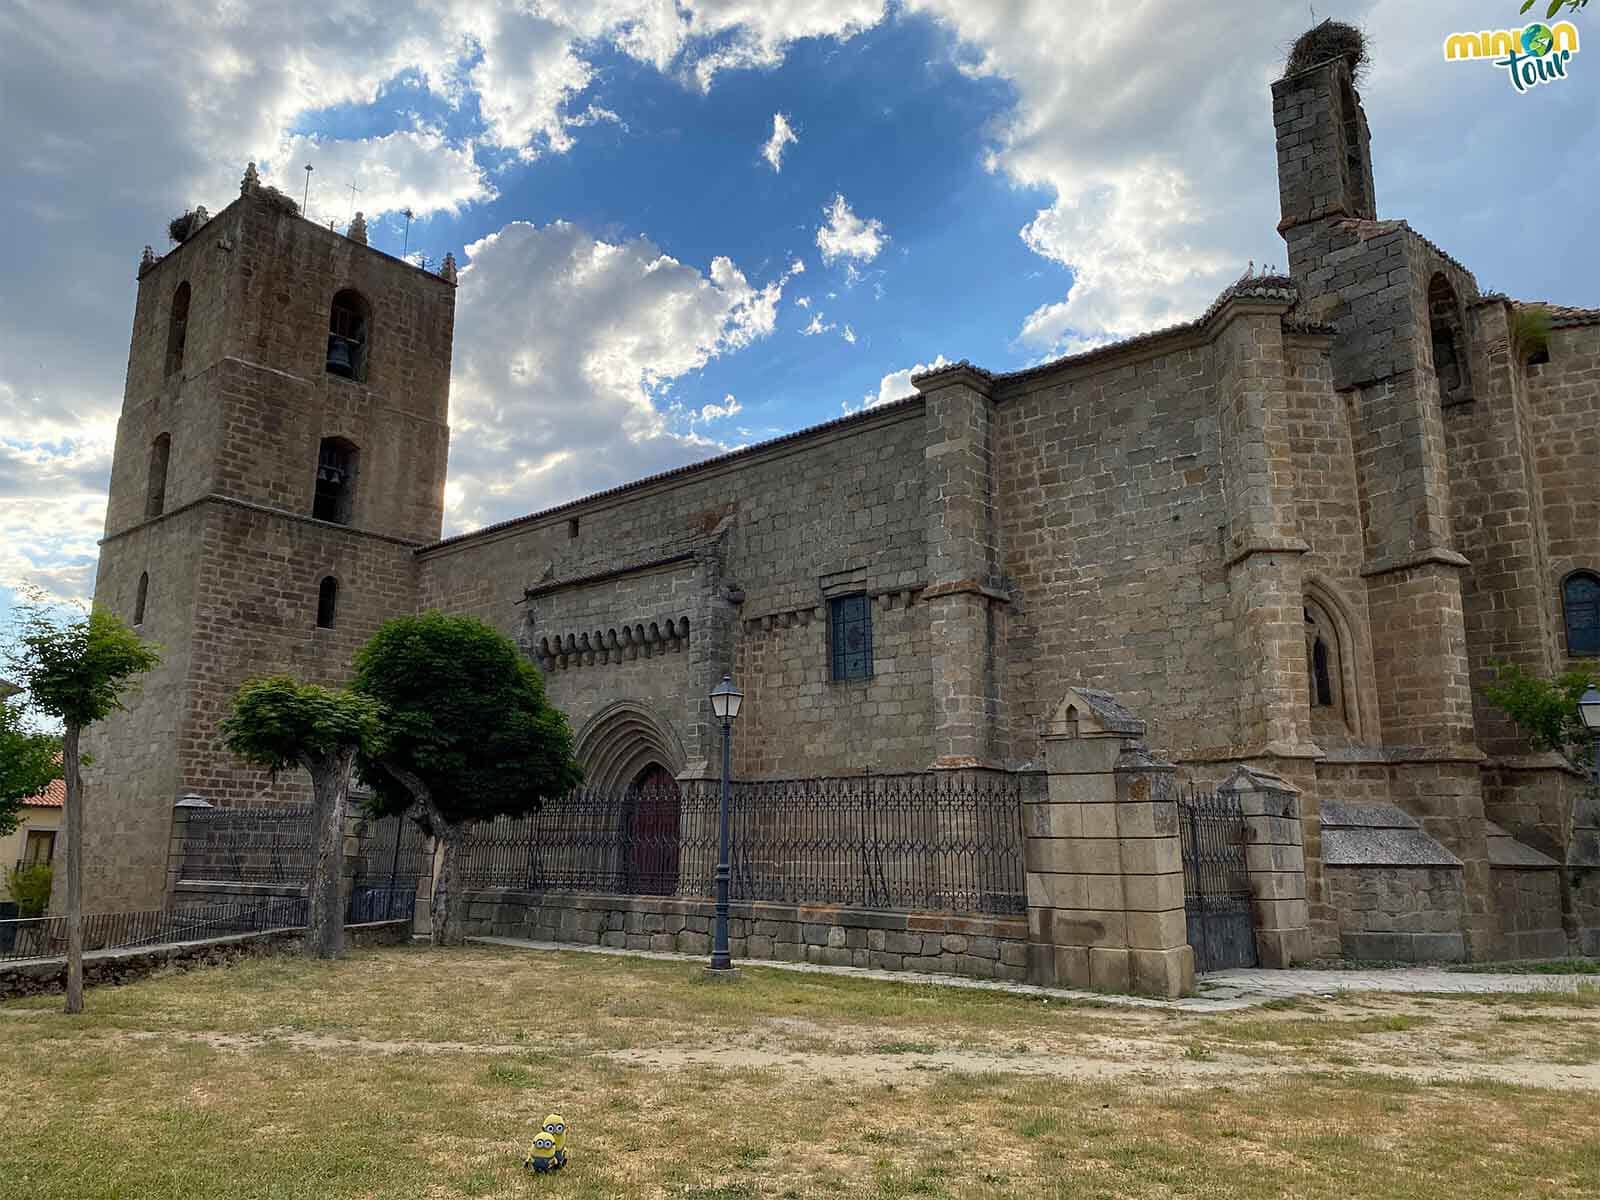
x=1276 y=861
x=1104 y=872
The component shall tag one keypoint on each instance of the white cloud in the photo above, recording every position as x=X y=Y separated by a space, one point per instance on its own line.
x=567 y=349
x=849 y=335
x=416 y=168
x=817 y=326
x=845 y=235
x=803 y=302
x=782 y=135
x=896 y=385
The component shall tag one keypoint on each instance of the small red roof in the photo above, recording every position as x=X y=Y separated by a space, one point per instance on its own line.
x=54 y=796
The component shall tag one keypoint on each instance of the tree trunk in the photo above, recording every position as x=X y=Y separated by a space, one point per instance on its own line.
x=448 y=927
x=74 y=816
x=330 y=784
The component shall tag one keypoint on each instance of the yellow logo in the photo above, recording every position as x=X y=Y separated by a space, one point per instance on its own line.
x=1536 y=54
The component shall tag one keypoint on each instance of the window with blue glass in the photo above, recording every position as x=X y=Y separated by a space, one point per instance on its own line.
x=1580 y=595
x=850 y=630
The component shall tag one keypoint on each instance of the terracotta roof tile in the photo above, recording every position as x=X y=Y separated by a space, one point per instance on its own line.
x=54 y=796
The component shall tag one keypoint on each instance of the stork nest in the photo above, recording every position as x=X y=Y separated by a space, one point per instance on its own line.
x=180 y=227
x=1331 y=39
x=278 y=200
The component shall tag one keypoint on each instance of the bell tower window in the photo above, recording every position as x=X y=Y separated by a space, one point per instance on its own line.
x=327 y=601
x=178 y=328
x=348 y=323
x=1449 y=343
x=155 y=501
x=336 y=481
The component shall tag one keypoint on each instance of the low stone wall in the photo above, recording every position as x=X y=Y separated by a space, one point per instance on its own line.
x=975 y=946
x=1528 y=905
x=1401 y=914
x=110 y=967
x=200 y=891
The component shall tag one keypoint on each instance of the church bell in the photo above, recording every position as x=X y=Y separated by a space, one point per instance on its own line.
x=340 y=360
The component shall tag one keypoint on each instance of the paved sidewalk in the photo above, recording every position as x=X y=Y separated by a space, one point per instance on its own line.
x=1221 y=991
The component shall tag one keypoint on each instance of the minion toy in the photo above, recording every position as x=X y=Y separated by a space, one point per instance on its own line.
x=542 y=1155
x=556 y=1130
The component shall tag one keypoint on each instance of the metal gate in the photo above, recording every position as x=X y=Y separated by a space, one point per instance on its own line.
x=1216 y=881
x=396 y=856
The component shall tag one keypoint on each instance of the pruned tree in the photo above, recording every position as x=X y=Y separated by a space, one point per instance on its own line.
x=76 y=668
x=1546 y=710
x=29 y=761
x=279 y=724
x=467 y=736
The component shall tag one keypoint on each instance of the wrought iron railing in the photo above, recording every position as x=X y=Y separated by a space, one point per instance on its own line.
x=394 y=856
x=258 y=844
x=46 y=937
x=1216 y=880
x=940 y=841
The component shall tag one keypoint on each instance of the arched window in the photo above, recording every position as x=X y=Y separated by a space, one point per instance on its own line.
x=1324 y=660
x=141 y=597
x=327 y=601
x=155 y=500
x=178 y=327
x=335 y=498
x=347 y=336
x=1580 y=597
x=1450 y=356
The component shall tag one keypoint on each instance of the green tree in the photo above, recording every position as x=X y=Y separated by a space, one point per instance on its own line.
x=279 y=724
x=76 y=668
x=29 y=886
x=1556 y=6
x=29 y=760
x=1545 y=710
x=467 y=736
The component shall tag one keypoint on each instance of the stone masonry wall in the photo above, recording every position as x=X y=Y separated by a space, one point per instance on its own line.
x=1528 y=907
x=1404 y=914
x=976 y=947
x=829 y=512
x=1111 y=495
x=1564 y=399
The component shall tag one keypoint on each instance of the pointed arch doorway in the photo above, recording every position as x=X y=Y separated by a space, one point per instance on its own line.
x=652 y=844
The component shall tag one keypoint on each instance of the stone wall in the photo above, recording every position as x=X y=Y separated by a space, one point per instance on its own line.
x=103 y=968
x=828 y=512
x=1400 y=914
x=976 y=947
x=1527 y=906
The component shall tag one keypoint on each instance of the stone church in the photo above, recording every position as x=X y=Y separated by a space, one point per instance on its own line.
x=1292 y=535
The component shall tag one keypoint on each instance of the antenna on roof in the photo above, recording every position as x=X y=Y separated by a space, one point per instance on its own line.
x=353 y=190
x=409 y=216
x=306 y=199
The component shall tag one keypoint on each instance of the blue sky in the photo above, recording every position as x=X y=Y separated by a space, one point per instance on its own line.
x=642 y=286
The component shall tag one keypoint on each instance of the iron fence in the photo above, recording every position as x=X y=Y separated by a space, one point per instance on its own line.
x=1216 y=880
x=944 y=841
x=393 y=859
x=46 y=937
x=257 y=844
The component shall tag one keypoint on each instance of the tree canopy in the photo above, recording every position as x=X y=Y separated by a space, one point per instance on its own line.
x=466 y=715
x=77 y=668
x=279 y=723
x=29 y=760
x=1545 y=710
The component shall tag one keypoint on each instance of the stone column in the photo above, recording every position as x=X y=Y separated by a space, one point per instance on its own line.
x=960 y=535
x=1104 y=872
x=180 y=834
x=1275 y=858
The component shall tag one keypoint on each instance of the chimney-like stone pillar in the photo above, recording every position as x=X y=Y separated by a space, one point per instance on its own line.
x=1276 y=862
x=1104 y=868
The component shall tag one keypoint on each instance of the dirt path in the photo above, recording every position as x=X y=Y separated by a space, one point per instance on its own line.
x=1159 y=1061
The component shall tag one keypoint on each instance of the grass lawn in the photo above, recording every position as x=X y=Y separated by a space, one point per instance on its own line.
x=419 y=1073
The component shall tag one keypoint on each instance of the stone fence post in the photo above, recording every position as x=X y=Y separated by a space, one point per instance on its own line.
x=1276 y=861
x=180 y=835
x=1104 y=872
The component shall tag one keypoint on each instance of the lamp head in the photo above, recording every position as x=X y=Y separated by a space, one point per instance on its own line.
x=725 y=699
x=1589 y=710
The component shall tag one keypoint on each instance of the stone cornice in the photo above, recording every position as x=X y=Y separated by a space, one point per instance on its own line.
x=1267 y=546
x=1441 y=555
x=954 y=374
x=266 y=509
x=556 y=585
x=964 y=587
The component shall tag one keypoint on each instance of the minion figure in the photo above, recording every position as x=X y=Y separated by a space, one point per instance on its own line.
x=556 y=1130
x=542 y=1154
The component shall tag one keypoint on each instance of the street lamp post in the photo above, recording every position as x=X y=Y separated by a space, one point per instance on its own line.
x=1589 y=710
x=725 y=701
